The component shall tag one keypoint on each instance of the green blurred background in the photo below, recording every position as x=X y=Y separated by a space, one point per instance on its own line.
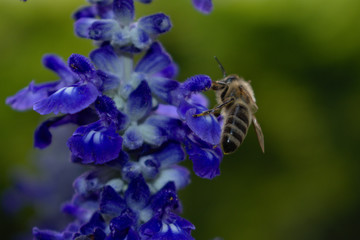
x=303 y=57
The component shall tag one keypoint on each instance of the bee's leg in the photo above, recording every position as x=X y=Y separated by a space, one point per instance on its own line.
x=215 y=109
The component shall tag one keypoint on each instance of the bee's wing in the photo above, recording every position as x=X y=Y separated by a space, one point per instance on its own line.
x=259 y=133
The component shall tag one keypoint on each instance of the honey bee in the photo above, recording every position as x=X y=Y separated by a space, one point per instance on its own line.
x=237 y=104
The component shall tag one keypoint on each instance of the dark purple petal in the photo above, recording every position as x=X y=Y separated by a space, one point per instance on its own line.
x=26 y=97
x=56 y=64
x=109 y=114
x=81 y=66
x=110 y=202
x=124 y=11
x=85 y=12
x=137 y=194
x=145 y=1
x=106 y=59
x=203 y=6
x=96 y=221
x=71 y=100
x=155 y=24
x=46 y=234
x=139 y=102
x=165 y=198
x=155 y=60
x=120 y=226
x=162 y=87
x=206 y=160
x=42 y=135
x=196 y=84
x=207 y=127
x=179 y=175
x=95 y=143
x=105 y=9
x=172 y=227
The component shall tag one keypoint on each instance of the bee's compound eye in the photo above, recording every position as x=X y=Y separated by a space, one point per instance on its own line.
x=229 y=79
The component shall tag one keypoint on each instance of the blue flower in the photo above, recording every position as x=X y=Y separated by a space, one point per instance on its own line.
x=204 y=6
x=119 y=29
x=135 y=123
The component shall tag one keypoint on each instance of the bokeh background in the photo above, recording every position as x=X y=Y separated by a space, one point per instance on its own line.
x=303 y=57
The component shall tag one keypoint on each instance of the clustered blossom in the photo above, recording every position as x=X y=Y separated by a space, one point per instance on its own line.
x=135 y=125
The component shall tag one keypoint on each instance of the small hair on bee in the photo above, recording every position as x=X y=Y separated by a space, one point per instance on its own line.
x=237 y=104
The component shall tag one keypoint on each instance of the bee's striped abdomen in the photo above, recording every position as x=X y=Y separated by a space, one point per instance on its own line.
x=235 y=128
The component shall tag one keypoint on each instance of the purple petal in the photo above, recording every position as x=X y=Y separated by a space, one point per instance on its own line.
x=85 y=12
x=196 y=84
x=26 y=97
x=173 y=127
x=46 y=234
x=139 y=102
x=172 y=227
x=96 y=29
x=155 y=60
x=68 y=100
x=105 y=9
x=137 y=194
x=42 y=135
x=96 y=221
x=81 y=66
x=106 y=81
x=95 y=143
x=164 y=199
x=124 y=11
x=145 y=1
x=120 y=226
x=167 y=110
x=199 y=99
x=203 y=6
x=206 y=160
x=58 y=65
x=162 y=87
x=106 y=59
x=170 y=71
x=207 y=128
x=155 y=24
x=110 y=202
x=170 y=154
x=109 y=114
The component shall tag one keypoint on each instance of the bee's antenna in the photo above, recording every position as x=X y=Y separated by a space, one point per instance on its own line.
x=221 y=66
